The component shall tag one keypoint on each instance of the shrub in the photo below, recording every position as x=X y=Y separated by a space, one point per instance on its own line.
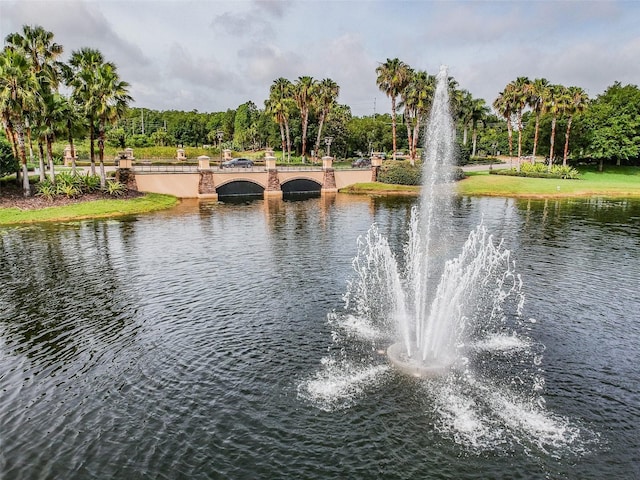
x=565 y=172
x=540 y=170
x=90 y=183
x=400 y=173
x=46 y=189
x=115 y=188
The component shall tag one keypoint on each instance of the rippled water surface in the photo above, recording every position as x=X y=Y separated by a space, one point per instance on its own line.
x=200 y=343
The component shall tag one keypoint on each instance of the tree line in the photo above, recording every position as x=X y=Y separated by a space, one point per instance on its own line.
x=297 y=113
x=32 y=107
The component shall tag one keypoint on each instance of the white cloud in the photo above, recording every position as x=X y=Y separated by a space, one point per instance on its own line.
x=215 y=54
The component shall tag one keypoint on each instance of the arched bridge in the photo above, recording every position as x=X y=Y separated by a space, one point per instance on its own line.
x=190 y=181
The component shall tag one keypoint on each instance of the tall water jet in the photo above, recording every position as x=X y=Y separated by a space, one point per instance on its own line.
x=440 y=296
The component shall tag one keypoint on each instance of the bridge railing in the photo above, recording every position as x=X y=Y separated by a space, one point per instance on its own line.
x=141 y=168
x=182 y=168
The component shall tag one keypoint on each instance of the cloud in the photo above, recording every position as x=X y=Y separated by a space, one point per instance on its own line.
x=201 y=71
x=274 y=8
x=75 y=24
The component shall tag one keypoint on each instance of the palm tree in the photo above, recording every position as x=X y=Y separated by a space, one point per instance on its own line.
x=577 y=101
x=504 y=106
x=462 y=100
x=326 y=96
x=537 y=100
x=80 y=77
x=416 y=101
x=110 y=99
x=555 y=105
x=478 y=113
x=520 y=92
x=278 y=105
x=393 y=77
x=38 y=47
x=304 y=90
x=18 y=94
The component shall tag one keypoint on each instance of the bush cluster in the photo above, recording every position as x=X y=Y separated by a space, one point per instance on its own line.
x=400 y=173
x=541 y=170
x=72 y=186
x=403 y=173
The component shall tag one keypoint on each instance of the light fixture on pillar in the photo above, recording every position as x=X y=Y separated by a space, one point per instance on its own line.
x=219 y=136
x=327 y=142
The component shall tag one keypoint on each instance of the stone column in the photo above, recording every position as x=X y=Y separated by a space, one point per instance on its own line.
x=206 y=184
x=125 y=173
x=376 y=163
x=273 y=189
x=329 y=177
x=180 y=155
x=203 y=162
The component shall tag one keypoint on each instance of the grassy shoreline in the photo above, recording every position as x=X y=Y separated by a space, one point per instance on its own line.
x=614 y=182
x=91 y=209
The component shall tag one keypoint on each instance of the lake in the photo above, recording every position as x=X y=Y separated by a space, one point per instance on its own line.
x=202 y=342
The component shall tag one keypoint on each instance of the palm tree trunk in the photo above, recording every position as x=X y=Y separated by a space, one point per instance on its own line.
x=22 y=153
x=465 y=135
x=41 y=159
x=553 y=139
x=103 y=176
x=510 y=132
x=11 y=136
x=28 y=129
x=73 y=151
x=535 y=138
x=320 y=125
x=52 y=173
x=410 y=142
x=305 y=124
x=474 y=141
x=92 y=152
x=566 y=142
x=519 y=137
x=286 y=127
x=416 y=134
x=282 y=138
x=393 y=124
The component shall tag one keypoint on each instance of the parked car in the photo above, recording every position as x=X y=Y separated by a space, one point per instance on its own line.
x=238 y=163
x=361 y=163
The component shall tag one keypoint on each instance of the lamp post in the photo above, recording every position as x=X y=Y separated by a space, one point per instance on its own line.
x=327 y=142
x=219 y=136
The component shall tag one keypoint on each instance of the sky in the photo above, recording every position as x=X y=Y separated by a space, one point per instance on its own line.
x=213 y=55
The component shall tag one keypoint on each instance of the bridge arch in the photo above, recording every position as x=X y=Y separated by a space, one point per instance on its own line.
x=301 y=185
x=235 y=188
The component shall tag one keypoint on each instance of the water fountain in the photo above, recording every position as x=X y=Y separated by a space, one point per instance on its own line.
x=434 y=303
x=446 y=310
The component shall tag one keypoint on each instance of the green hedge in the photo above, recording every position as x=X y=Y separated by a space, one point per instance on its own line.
x=403 y=173
x=540 y=170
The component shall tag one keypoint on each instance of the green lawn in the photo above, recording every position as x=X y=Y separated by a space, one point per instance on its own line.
x=386 y=188
x=612 y=182
x=93 y=209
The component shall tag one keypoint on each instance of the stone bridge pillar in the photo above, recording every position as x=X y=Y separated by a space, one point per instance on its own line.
x=329 y=177
x=273 y=189
x=206 y=185
x=124 y=172
x=376 y=163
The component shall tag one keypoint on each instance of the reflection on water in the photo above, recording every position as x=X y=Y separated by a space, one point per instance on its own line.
x=177 y=345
